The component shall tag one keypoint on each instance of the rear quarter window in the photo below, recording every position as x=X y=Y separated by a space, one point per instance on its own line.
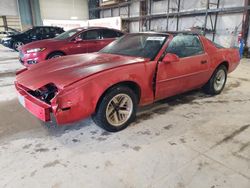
x=119 y=34
x=215 y=44
x=107 y=33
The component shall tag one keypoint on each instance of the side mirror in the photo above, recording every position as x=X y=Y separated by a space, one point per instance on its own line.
x=170 y=58
x=78 y=40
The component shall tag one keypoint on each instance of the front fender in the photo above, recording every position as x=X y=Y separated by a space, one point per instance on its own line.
x=80 y=99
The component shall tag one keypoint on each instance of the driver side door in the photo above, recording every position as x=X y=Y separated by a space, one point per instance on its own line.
x=35 y=34
x=86 y=42
x=189 y=72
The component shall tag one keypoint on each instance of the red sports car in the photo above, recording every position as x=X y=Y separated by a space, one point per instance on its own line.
x=75 y=41
x=135 y=70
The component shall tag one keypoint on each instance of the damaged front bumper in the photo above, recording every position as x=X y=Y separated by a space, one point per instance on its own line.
x=47 y=101
x=35 y=106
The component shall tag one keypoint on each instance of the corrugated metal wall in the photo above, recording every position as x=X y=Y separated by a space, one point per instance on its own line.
x=227 y=24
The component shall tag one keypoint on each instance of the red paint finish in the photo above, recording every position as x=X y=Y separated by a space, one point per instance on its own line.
x=38 y=108
x=67 y=46
x=83 y=79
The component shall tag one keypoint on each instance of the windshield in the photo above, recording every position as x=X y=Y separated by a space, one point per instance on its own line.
x=68 y=34
x=27 y=30
x=138 y=45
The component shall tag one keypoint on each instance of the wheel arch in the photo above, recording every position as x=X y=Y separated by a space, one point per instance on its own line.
x=13 y=41
x=130 y=84
x=225 y=63
x=57 y=51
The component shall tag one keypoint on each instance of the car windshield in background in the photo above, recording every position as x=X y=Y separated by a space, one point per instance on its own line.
x=27 y=30
x=67 y=34
x=138 y=45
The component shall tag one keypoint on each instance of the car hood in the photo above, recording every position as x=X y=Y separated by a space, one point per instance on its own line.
x=18 y=35
x=41 y=43
x=66 y=70
x=8 y=37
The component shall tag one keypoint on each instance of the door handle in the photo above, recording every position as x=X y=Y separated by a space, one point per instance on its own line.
x=203 y=61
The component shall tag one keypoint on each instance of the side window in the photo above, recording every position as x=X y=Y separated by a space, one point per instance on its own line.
x=55 y=31
x=91 y=35
x=46 y=31
x=58 y=31
x=39 y=30
x=185 y=46
x=52 y=29
x=106 y=33
x=32 y=32
x=119 y=34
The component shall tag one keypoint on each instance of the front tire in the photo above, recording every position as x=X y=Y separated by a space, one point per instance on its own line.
x=117 y=109
x=55 y=55
x=217 y=82
x=17 y=45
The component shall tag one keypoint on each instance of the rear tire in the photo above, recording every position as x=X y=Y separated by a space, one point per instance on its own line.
x=217 y=82
x=117 y=109
x=55 y=55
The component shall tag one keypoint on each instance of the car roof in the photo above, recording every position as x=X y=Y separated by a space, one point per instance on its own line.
x=96 y=27
x=171 y=32
x=183 y=32
x=45 y=26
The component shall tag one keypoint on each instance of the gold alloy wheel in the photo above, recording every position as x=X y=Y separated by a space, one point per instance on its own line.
x=119 y=109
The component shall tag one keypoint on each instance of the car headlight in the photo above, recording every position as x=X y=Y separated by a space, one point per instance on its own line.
x=6 y=38
x=35 y=50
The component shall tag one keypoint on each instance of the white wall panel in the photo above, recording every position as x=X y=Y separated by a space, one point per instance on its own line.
x=159 y=7
x=226 y=27
x=106 y=13
x=193 y=4
x=159 y=25
x=135 y=9
x=188 y=22
x=64 y=9
x=124 y=11
x=134 y=27
x=115 y=12
x=8 y=8
x=231 y=3
x=172 y=24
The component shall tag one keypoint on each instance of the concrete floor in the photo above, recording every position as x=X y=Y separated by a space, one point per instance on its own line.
x=192 y=140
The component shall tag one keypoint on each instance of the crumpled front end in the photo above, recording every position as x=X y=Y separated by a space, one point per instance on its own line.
x=66 y=107
x=34 y=103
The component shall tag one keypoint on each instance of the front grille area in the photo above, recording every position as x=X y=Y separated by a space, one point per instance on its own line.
x=45 y=93
x=30 y=62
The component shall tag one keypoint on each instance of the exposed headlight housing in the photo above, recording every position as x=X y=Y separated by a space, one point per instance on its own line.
x=34 y=50
x=45 y=93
